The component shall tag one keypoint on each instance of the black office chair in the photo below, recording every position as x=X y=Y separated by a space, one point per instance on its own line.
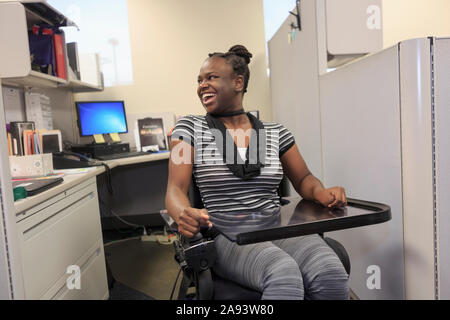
x=196 y=257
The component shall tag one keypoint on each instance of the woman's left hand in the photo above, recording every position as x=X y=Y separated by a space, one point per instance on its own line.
x=332 y=197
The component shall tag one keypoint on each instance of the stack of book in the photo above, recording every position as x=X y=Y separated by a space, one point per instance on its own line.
x=24 y=140
x=48 y=50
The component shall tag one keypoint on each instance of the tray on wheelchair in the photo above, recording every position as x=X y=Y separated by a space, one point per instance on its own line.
x=302 y=217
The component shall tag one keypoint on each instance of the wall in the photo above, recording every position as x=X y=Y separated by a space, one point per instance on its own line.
x=295 y=85
x=170 y=39
x=406 y=19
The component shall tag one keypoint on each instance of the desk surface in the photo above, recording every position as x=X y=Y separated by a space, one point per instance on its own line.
x=302 y=217
x=140 y=159
x=71 y=180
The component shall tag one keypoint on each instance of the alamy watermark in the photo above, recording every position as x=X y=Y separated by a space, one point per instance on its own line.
x=374 y=20
x=213 y=147
x=74 y=280
x=374 y=280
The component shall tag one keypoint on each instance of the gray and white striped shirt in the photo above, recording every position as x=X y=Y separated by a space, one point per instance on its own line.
x=230 y=200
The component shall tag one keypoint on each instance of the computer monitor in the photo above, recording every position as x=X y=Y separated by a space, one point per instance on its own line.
x=101 y=117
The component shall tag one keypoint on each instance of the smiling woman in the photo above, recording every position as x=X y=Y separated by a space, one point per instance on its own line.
x=236 y=184
x=219 y=82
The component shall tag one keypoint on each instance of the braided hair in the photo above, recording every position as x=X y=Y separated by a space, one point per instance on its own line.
x=239 y=58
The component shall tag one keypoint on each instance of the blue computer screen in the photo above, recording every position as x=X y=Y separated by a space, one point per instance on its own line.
x=101 y=117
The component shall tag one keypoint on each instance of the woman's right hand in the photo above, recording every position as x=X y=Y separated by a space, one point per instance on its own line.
x=191 y=219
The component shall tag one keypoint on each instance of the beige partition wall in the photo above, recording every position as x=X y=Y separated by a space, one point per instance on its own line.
x=5 y=289
x=416 y=83
x=377 y=126
x=441 y=72
x=361 y=145
x=385 y=136
x=11 y=282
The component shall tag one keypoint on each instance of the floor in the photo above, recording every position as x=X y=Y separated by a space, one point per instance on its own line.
x=145 y=266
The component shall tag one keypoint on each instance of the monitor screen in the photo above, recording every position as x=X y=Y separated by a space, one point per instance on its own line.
x=101 y=117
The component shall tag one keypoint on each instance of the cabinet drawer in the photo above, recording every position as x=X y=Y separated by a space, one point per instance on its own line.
x=56 y=237
x=94 y=285
x=93 y=281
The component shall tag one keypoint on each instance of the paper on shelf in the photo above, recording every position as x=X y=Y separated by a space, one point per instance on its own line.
x=13 y=106
x=38 y=110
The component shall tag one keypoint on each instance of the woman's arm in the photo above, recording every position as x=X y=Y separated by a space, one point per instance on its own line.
x=308 y=186
x=178 y=205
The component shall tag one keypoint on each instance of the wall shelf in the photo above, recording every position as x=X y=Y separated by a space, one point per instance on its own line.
x=35 y=79
x=45 y=12
x=15 y=65
x=78 y=86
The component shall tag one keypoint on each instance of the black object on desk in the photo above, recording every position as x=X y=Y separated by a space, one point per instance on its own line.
x=302 y=217
x=123 y=155
x=97 y=150
x=36 y=186
x=72 y=160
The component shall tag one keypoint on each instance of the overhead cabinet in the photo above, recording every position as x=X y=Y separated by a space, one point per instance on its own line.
x=16 y=20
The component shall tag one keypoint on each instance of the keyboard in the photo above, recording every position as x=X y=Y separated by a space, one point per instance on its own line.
x=123 y=155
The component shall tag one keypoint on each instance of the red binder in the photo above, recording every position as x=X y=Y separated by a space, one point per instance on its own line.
x=58 y=44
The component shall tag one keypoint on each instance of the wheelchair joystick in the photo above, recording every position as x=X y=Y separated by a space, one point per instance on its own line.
x=198 y=237
x=197 y=253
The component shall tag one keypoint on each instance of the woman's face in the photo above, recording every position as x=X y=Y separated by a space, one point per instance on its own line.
x=218 y=88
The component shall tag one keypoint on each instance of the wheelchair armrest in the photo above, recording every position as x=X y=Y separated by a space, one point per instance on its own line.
x=340 y=251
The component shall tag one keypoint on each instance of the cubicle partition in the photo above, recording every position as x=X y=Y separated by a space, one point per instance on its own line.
x=361 y=148
x=441 y=117
x=384 y=134
x=7 y=223
x=378 y=126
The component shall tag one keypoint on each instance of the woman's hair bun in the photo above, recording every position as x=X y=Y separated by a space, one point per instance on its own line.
x=241 y=51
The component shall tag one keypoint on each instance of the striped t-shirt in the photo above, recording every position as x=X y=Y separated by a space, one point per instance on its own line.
x=229 y=199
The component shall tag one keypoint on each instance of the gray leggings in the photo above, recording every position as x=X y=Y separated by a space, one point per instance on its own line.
x=289 y=269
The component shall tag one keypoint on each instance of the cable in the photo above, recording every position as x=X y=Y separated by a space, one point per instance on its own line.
x=117 y=216
x=109 y=186
x=174 y=285
x=121 y=240
x=108 y=178
x=126 y=222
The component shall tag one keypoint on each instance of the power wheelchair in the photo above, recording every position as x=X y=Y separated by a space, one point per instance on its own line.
x=196 y=257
